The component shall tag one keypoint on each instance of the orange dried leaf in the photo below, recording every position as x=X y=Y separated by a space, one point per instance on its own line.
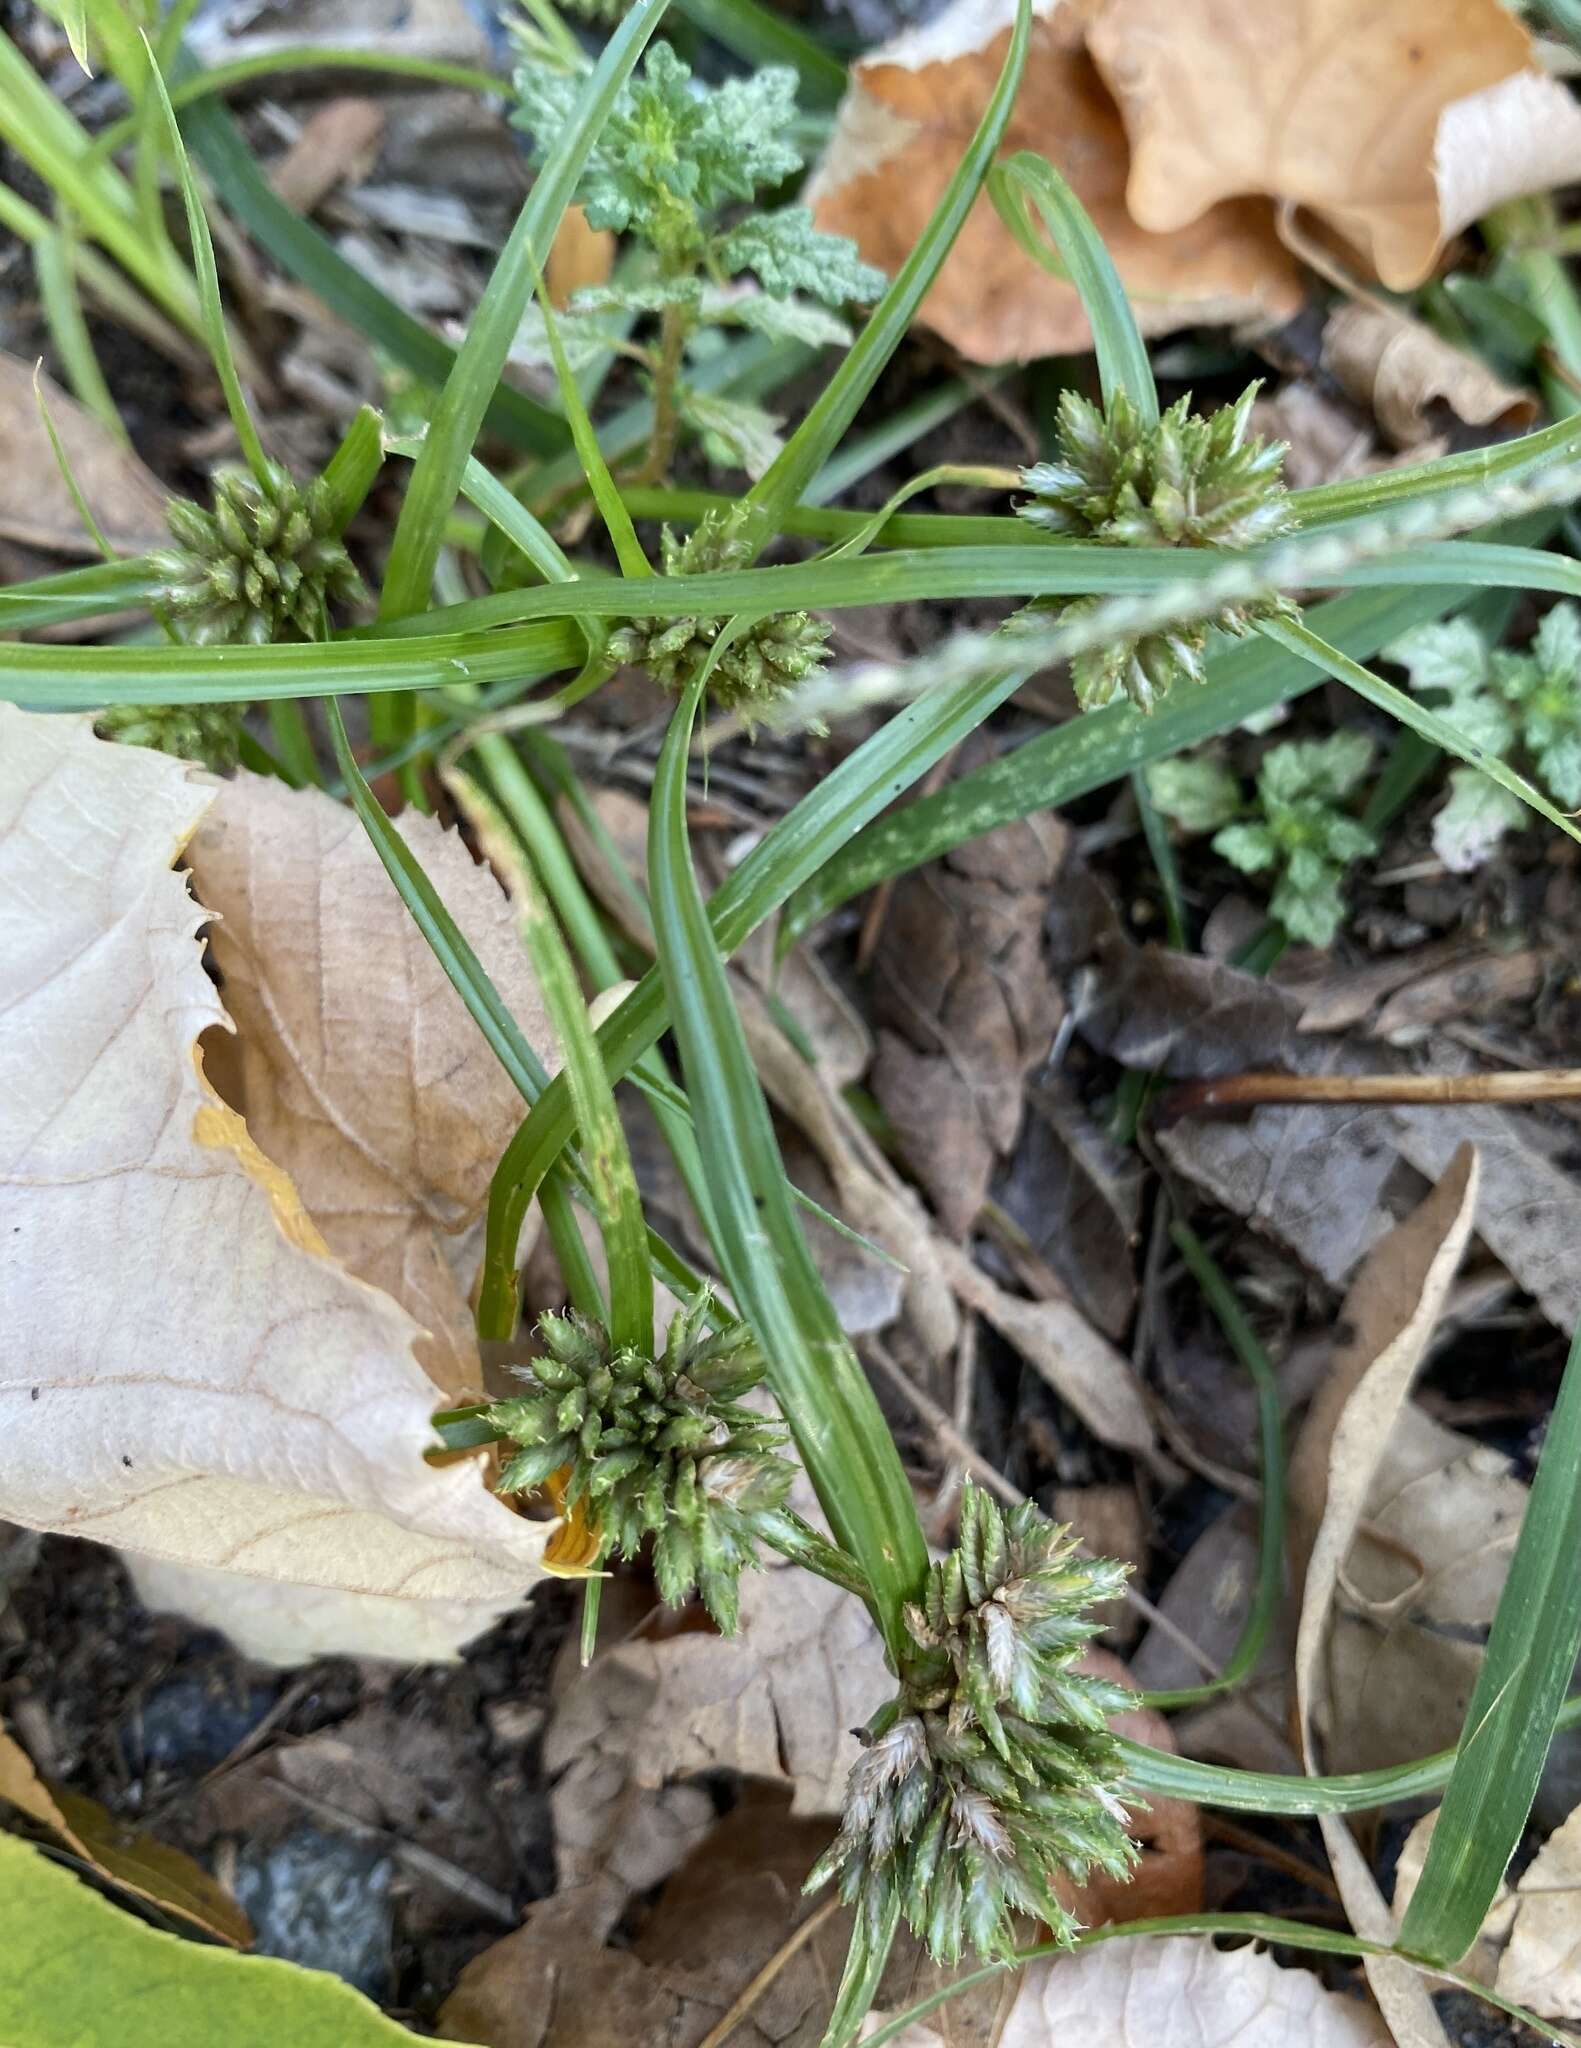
x=1397 y=124
x=901 y=131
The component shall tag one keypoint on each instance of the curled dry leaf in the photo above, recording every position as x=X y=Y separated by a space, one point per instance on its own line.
x=1541 y=1963
x=36 y=505
x=193 y=1372
x=901 y=131
x=1397 y=125
x=138 y=1864
x=1181 y=1992
x=1401 y=370
x=1390 y=1315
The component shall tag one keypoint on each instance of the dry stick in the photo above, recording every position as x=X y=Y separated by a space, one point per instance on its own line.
x=717 y=2035
x=950 y=1439
x=1240 y=1091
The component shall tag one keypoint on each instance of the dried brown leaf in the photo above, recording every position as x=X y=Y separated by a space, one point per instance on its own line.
x=1402 y=371
x=1390 y=1314
x=1397 y=125
x=901 y=130
x=1541 y=1964
x=36 y=507
x=195 y=1374
x=359 y=1071
x=137 y=1863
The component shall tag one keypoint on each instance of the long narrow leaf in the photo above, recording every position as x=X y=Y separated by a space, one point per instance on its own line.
x=819 y=434
x=822 y=1391
x=1515 y=1703
x=303 y=253
x=436 y=478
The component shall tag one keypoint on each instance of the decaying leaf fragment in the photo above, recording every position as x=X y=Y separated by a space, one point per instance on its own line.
x=901 y=131
x=1401 y=370
x=1397 y=124
x=36 y=504
x=1390 y=1313
x=190 y=1371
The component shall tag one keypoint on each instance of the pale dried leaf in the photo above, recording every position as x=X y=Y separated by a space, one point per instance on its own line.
x=1182 y=1992
x=200 y=1378
x=901 y=130
x=1391 y=1313
x=1541 y=1965
x=274 y=1623
x=1401 y=370
x=361 y=1073
x=37 y=508
x=337 y=143
x=1397 y=125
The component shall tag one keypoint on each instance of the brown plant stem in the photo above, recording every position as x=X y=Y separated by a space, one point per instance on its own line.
x=674 y=326
x=1243 y=1091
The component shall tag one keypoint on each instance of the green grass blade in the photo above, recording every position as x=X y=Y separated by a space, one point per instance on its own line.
x=820 y=433
x=436 y=477
x=304 y=254
x=1181 y=1777
x=1432 y=725
x=1097 y=747
x=69 y=678
x=822 y=1390
x=349 y=473
x=76 y=594
x=859 y=1980
x=788 y=856
x=1221 y=1298
x=1259 y=1927
x=212 y=311
x=56 y=272
x=612 y=1182
x=1515 y=1703
x=1028 y=180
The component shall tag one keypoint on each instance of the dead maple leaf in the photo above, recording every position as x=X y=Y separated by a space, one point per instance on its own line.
x=902 y=129
x=356 y=1064
x=192 y=1372
x=1397 y=124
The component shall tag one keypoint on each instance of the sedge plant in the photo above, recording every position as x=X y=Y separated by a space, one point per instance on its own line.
x=1158 y=549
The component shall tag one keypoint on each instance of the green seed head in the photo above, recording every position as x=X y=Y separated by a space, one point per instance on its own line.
x=995 y=1770
x=764 y=661
x=261 y=565
x=1189 y=481
x=209 y=733
x=659 y=1447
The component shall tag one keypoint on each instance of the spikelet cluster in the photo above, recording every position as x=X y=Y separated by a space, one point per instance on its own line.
x=1189 y=481
x=260 y=566
x=658 y=1447
x=994 y=1770
x=769 y=658
x=209 y=733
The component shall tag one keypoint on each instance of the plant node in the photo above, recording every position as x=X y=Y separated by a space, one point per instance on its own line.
x=658 y=1447
x=993 y=1769
x=1188 y=481
x=768 y=657
x=260 y=566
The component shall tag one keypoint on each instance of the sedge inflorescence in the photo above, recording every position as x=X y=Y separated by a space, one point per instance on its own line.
x=768 y=657
x=1189 y=481
x=658 y=1447
x=260 y=566
x=993 y=1770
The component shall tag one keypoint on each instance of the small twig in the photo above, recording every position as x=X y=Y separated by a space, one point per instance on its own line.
x=492 y=1904
x=1241 y=1091
x=717 y=2035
